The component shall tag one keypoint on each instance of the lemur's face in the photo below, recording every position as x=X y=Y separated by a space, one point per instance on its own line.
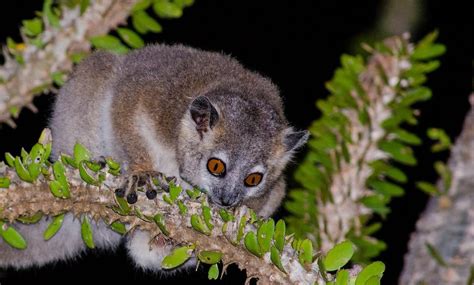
x=233 y=155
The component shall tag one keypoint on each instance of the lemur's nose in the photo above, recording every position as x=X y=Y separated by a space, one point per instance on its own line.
x=226 y=199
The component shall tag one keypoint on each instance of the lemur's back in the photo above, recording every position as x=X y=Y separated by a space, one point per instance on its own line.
x=171 y=75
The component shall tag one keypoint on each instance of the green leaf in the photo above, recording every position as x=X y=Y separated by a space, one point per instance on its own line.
x=167 y=10
x=415 y=95
x=342 y=277
x=206 y=213
x=240 y=231
x=86 y=175
x=32 y=27
x=58 y=78
x=174 y=191
x=108 y=42
x=213 y=272
x=53 y=19
x=160 y=222
x=177 y=257
x=30 y=219
x=53 y=227
x=130 y=38
x=398 y=152
x=143 y=23
x=226 y=216
x=305 y=252
x=12 y=236
x=22 y=172
x=280 y=233
x=435 y=254
x=251 y=244
x=182 y=208
x=428 y=188
x=386 y=188
x=374 y=280
x=4 y=182
x=338 y=256
x=265 y=235
x=86 y=232
x=198 y=224
x=59 y=172
x=118 y=227
x=275 y=257
x=377 y=203
x=443 y=140
x=10 y=159
x=141 y=5
x=209 y=257
x=374 y=269
x=407 y=137
x=428 y=51
x=81 y=153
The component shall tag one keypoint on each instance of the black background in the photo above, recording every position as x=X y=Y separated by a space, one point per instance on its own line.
x=297 y=44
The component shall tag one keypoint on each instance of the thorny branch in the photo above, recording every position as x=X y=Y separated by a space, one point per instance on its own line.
x=21 y=82
x=26 y=199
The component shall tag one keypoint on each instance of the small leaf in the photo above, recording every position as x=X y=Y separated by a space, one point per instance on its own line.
x=32 y=27
x=407 y=137
x=177 y=257
x=226 y=216
x=118 y=227
x=167 y=10
x=86 y=176
x=342 y=277
x=22 y=171
x=305 y=254
x=30 y=219
x=81 y=153
x=386 y=188
x=86 y=232
x=265 y=235
x=251 y=244
x=143 y=23
x=10 y=159
x=174 y=191
x=435 y=254
x=160 y=222
x=428 y=188
x=276 y=258
x=213 y=272
x=59 y=172
x=4 y=182
x=112 y=164
x=374 y=269
x=210 y=257
x=198 y=224
x=12 y=236
x=182 y=208
x=240 y=231
x=445 y=173
x=428 y=51
x=280 y=233
x=374 y=280
x=53 y=227
x=53 y=19
x=130 y=38
x=108 y=42
x=398 y=152
x=206 y=213
x=141 y=5
x=338 y=256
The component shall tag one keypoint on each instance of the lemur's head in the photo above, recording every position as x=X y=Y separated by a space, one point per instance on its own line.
x=235 y=146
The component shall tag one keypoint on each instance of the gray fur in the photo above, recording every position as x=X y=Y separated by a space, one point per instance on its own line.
x=139 y=109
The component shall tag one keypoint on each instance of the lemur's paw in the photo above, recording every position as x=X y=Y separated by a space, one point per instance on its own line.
x=149 y=182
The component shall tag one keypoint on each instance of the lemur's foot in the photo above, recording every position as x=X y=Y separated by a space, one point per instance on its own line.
x=149 y=182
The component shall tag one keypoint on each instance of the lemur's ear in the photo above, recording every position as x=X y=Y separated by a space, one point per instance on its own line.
x=295 y=139
x=203 y=113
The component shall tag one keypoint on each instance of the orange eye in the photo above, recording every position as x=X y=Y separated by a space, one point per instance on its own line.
x=253 y=179
x=216 y=167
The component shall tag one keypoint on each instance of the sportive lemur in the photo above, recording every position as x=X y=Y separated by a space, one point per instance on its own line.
x=195 y=115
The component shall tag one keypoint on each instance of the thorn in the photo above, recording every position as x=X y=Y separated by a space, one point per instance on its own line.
x=11 y=123
x=32 y=107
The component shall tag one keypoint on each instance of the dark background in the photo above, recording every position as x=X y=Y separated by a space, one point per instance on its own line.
x=297 y=44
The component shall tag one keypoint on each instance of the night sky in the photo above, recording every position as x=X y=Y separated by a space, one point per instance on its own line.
x=297 y=44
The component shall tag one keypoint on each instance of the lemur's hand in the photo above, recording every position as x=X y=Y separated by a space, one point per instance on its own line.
x=149 y=182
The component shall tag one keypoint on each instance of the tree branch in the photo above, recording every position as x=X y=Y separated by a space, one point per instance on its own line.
x=22 y=81
x=22 y=199
x=447 y=224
